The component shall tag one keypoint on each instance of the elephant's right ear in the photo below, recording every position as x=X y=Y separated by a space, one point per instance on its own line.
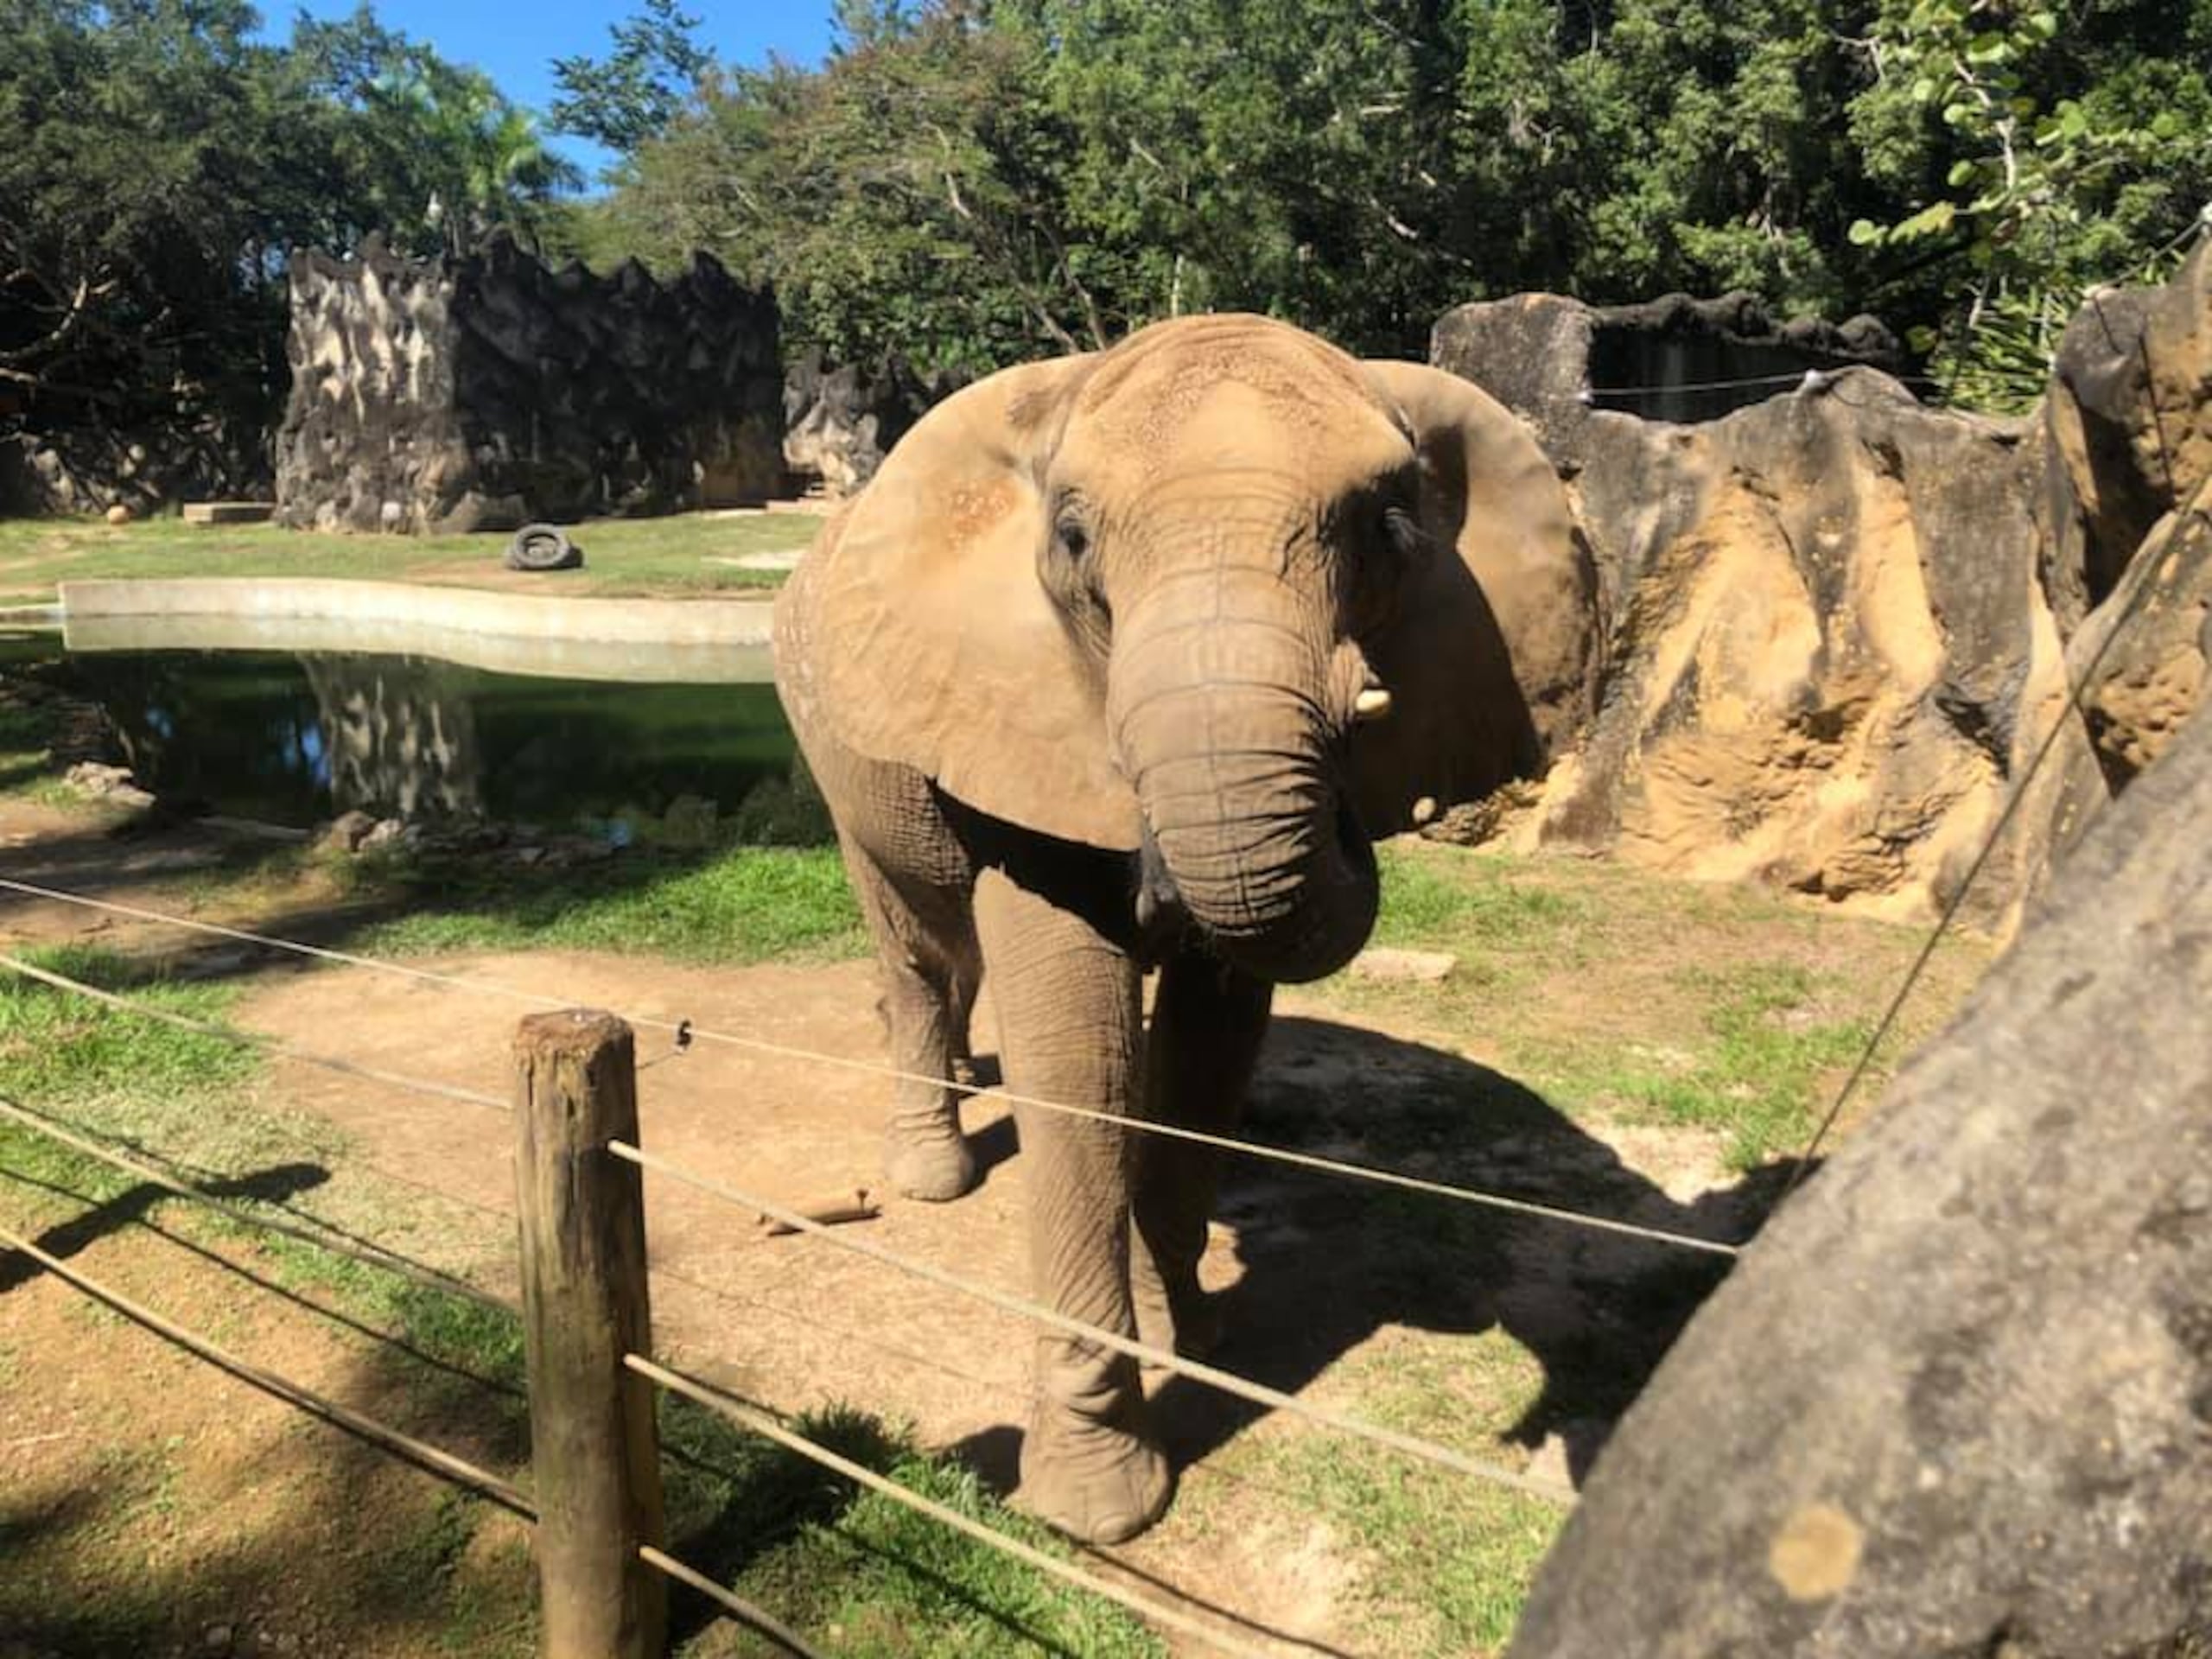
x=916 y=630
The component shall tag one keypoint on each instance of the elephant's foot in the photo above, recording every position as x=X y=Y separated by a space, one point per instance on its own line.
x=1093 y=1481
x=936 y=1168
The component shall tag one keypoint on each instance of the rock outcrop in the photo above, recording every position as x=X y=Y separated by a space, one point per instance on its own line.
x=487 y=391
x=839 y=424
x=1841 y=626
x=1957 y=1397
x=2129 y=426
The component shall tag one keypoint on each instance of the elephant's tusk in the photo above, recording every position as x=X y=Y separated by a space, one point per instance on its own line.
x=1425 y=809
x=1371 y=705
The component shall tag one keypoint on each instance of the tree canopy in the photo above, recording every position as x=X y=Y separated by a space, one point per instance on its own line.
x=157 y=162
x=974 y=181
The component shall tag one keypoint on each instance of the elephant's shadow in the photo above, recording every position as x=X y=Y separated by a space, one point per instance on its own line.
x=1326 y=1261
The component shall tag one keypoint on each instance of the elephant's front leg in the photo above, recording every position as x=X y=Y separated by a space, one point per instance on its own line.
x=1207 y=1023
x=1070 y=1031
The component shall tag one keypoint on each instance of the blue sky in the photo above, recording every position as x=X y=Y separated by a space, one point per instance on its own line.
x=516 y=44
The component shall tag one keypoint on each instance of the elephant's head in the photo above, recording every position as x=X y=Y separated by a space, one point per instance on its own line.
x=1221 y=597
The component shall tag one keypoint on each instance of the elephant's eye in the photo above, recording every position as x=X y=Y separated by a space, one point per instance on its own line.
x=1404 y=532
x=1074 y=539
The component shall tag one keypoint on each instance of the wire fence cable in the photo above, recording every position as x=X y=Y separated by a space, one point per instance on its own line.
x=759 y=1423
x=1343 y=1168
x=252 y=1038
x=1021 y=1306
x=756 y=1619
x=429 y=1458
x=362 y=1250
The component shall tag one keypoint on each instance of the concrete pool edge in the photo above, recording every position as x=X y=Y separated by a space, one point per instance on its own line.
x=694 y=640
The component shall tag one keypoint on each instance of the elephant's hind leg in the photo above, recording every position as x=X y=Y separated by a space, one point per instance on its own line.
x=926 y=963
x=1069 y=1029
x=1207 y=1022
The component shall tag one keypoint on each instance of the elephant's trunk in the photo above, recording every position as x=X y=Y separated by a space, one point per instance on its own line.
x=1225 y=720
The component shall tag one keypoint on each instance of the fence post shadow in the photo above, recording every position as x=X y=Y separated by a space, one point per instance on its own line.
x=272 y=1186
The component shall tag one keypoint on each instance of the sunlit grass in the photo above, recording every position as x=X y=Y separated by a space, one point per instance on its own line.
x=681 y=553
x=748 y=903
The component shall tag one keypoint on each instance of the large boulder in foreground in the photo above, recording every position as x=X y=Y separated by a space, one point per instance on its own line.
x=1957 y=1398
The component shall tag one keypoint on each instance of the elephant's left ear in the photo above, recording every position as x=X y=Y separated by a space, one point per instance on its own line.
x=1491 y=649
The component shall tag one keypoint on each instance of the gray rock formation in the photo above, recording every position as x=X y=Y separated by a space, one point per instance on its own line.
x=1957 y=1398
x=483 y=393
x=839 y=424
x=2129 y=426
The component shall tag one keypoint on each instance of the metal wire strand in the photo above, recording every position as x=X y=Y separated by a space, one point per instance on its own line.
x=429 y=1458
x=253 y=1039
x=1022 y=1306
x=759 y=1423
x=1335 y=1166
x=365 y=1251
x=756 y=1619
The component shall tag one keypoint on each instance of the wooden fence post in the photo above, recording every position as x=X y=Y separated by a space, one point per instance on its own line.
x=595 y=1453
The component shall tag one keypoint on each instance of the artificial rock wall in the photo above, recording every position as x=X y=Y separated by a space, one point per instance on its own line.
x=483 y=393
x=1840 y=625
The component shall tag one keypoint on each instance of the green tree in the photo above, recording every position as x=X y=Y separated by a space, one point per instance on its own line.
x=631 y=95
x=2075 y=147
x=158 y=164
x=436 y=157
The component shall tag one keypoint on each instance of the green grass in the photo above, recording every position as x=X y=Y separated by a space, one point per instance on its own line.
x=746 y=903
x=1467 y=903
x=679 y=554
x=871 y=1576
x=1443 y=1560
x=60 y=1050
x=1758 y=1067
x=1618 y=994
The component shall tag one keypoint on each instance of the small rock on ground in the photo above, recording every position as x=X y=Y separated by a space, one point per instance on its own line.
x=1403 y=967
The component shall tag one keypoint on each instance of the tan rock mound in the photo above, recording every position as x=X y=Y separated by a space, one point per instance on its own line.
x=1841 y=625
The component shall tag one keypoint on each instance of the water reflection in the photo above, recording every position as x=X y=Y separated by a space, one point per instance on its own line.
x=294 y=738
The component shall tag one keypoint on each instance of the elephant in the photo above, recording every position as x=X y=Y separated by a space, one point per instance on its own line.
x=1116 y=668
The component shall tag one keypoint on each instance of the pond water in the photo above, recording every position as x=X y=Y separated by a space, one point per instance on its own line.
x=294 y=738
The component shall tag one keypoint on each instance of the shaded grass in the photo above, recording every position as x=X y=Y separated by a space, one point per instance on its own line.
x=1627 y=996
x=859 y=1568
x=60 y=1050
x=821 y=1556
x=32 y=728
x=748 y=904
x=668 y=555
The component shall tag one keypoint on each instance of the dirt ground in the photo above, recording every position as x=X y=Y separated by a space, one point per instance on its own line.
x=1318 y=1301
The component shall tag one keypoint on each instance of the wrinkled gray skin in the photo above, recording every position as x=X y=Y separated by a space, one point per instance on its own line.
x=1089 y=677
